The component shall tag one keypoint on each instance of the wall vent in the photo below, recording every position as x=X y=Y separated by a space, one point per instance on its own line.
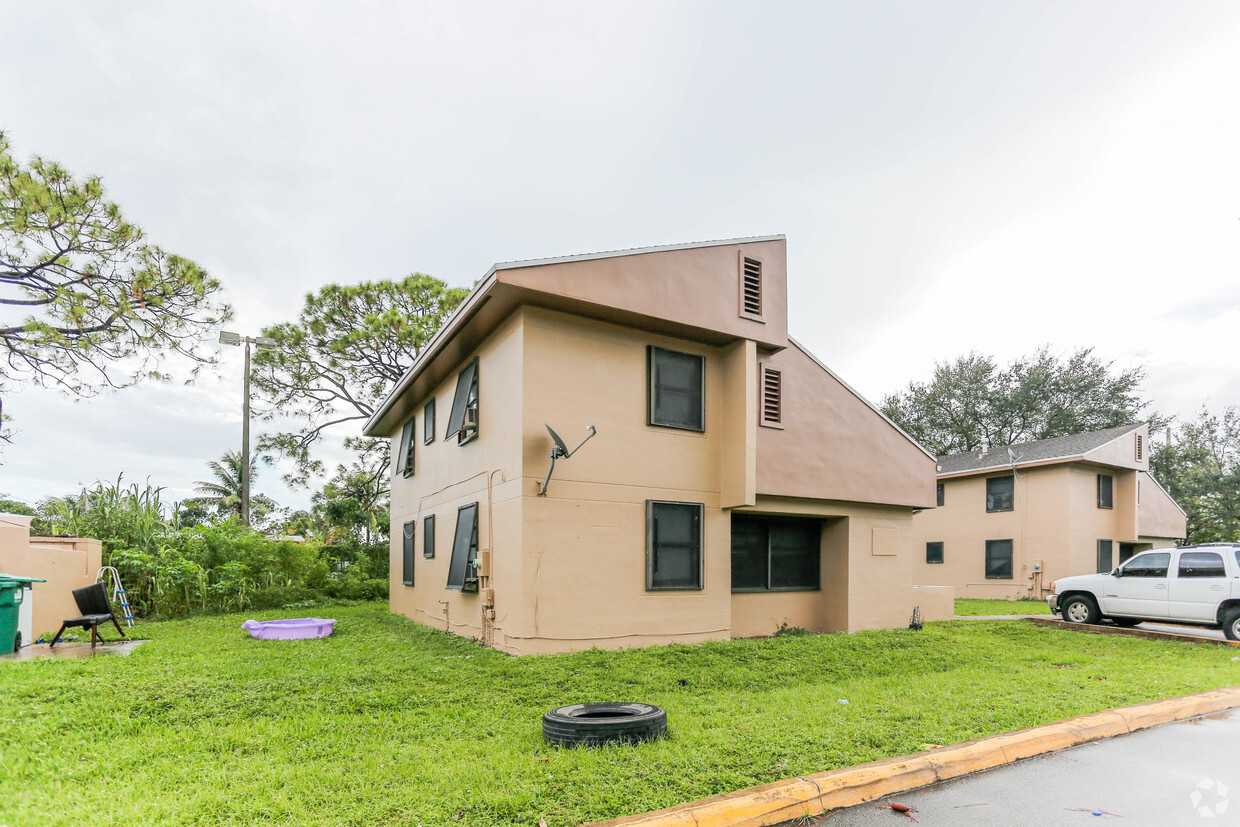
x=1140 y=448
x=772 y=396
x=751 y=287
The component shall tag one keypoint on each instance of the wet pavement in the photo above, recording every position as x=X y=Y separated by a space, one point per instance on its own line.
x=74 y=650
x=1177 y=774
x=1165 y=628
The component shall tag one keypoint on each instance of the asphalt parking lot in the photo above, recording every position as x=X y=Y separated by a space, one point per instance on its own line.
x=1176 y=774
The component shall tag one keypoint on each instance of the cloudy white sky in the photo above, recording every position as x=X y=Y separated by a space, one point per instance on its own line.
x=951 y=176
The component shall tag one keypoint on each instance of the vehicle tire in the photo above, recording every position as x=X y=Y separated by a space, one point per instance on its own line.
x=601 y=723
x=1080 y=608
x=1125 y=622
x=1231 y=624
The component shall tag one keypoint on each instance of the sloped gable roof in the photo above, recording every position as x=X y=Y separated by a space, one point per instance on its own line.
x=1074 y=446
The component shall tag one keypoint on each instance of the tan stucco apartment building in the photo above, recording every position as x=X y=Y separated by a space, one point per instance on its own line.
x=1012 y=518
x=734 y=483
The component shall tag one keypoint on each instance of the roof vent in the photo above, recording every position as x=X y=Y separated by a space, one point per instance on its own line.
x=751 y=287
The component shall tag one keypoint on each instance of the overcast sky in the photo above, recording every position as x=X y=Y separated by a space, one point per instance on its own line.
x=951 y=176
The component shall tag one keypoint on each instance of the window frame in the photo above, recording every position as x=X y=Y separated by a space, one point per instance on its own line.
x=1126 y=566
x=767 y=522
x=408 y=544
x=428 y=537
x=652 y=390
x=1011 y=480
x=1180 y=567
x=652 y=552
x=1011 y=557
x=1110 y=491
x=407 y=452
x=463 y=566
x=940 y=497
x=428 y=422
x=929 y=560
x=466 y=398
x=1109 y=545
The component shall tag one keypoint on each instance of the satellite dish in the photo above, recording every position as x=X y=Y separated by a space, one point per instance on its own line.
x=561 y=450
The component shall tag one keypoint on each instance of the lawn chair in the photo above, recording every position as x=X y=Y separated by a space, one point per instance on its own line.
x=92 y=602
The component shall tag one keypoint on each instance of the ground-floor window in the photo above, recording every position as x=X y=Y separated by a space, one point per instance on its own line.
x=934 y=552
x=998 y=559
x=775 y=553
x=463 y=569
x=673 y=545
x=407 y=532
x=1104 y=556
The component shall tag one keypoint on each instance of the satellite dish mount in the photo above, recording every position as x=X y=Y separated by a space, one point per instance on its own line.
x=560 y=450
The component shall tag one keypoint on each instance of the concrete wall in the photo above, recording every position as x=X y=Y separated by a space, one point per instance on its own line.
x=1159 y=519
x=66 y=563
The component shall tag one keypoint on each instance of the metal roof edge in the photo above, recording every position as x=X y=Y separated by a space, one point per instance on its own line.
x=1018 y=464
x=632 y=251
x=868 y=403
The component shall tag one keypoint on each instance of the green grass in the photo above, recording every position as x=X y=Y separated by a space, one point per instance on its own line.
x=977 y=606
x=388 y=722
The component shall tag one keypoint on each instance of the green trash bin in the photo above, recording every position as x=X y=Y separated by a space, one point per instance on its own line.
x=11 y=593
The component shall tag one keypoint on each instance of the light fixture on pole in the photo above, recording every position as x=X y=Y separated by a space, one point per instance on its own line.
x=262 y=343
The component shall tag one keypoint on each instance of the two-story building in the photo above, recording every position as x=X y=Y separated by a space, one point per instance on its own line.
x=734 y=484
x=1012 y=518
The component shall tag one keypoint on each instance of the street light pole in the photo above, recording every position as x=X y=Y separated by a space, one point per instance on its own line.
x=262 y=343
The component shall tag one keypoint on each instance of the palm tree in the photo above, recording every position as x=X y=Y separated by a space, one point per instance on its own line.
x=224 y=492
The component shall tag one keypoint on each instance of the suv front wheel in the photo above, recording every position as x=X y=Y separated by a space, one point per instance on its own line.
x=1080 y=608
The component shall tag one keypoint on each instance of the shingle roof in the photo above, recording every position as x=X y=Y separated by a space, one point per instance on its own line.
x=1064 y=447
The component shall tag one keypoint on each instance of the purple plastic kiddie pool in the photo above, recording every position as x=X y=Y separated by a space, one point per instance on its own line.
x=296 y=629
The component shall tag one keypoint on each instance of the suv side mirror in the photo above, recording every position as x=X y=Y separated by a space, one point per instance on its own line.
x=1117 y=572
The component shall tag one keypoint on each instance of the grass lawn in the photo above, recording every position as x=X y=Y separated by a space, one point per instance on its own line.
x=977 y=606
x=388 y=722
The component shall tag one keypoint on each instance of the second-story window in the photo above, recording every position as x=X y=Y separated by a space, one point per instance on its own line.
x=938 y=494
x=428 y=422
x=934 y=552
x=999 y=493
x=1106 y=498
x=463 y=420
x=677 y=389
x=405 y=458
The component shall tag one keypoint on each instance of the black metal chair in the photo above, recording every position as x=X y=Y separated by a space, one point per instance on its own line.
x=92 y=602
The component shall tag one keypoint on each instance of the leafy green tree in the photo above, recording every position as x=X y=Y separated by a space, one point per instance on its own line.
x=8 y=506
x=972 y=400
x=354 y=501
x=1200 y=468
x=86 y=304
x=334 y=365
x=223 y=494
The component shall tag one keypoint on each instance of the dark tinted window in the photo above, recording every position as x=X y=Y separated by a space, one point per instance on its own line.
x=934 y=552
x=999 y=494
x=407 y=553
x=673 y=545
x=463 y=569
x=676 y=389
x=1105 y=556
x=465 y=399
x=999 y=559
x=1148 y=565
x=775 y=553
x=1201 y=564
x=938 y=494
x=1106 y=484
x=428 y=423
x=428 y=536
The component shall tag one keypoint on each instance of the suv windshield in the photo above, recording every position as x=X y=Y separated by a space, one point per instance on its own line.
x=1149 y=565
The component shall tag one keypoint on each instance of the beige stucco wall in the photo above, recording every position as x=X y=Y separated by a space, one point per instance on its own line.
x=66 y=563
x=1159 y=520
x=1055 y=527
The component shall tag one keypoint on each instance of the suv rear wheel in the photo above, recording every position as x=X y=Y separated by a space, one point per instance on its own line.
x=1080 y=608
x=1231 y=624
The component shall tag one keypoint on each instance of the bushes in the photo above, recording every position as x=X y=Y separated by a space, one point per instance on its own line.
x=174 y=572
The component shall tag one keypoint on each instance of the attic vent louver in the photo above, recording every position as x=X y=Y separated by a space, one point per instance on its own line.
x=751 y=287
x=772 y=396
x=1140 y=448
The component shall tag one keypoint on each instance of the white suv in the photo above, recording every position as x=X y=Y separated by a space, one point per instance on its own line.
x=1192 y=585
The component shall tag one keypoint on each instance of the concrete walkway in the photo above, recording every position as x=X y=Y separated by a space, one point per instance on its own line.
x=74 y=650
x=1181 y=773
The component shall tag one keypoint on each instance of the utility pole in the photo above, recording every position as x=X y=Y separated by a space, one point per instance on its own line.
x=262 y=343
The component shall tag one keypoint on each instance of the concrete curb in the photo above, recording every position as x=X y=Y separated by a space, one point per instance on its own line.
x=1096 y=629
x=814 y=794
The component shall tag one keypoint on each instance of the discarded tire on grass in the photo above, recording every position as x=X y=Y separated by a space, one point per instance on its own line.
x=602 y=723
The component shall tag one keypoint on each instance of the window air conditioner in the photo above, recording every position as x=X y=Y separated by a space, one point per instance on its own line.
x=471 y=419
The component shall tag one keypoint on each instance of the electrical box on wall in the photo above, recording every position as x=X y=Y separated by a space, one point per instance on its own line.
x=488 y=597
x=484 y=564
